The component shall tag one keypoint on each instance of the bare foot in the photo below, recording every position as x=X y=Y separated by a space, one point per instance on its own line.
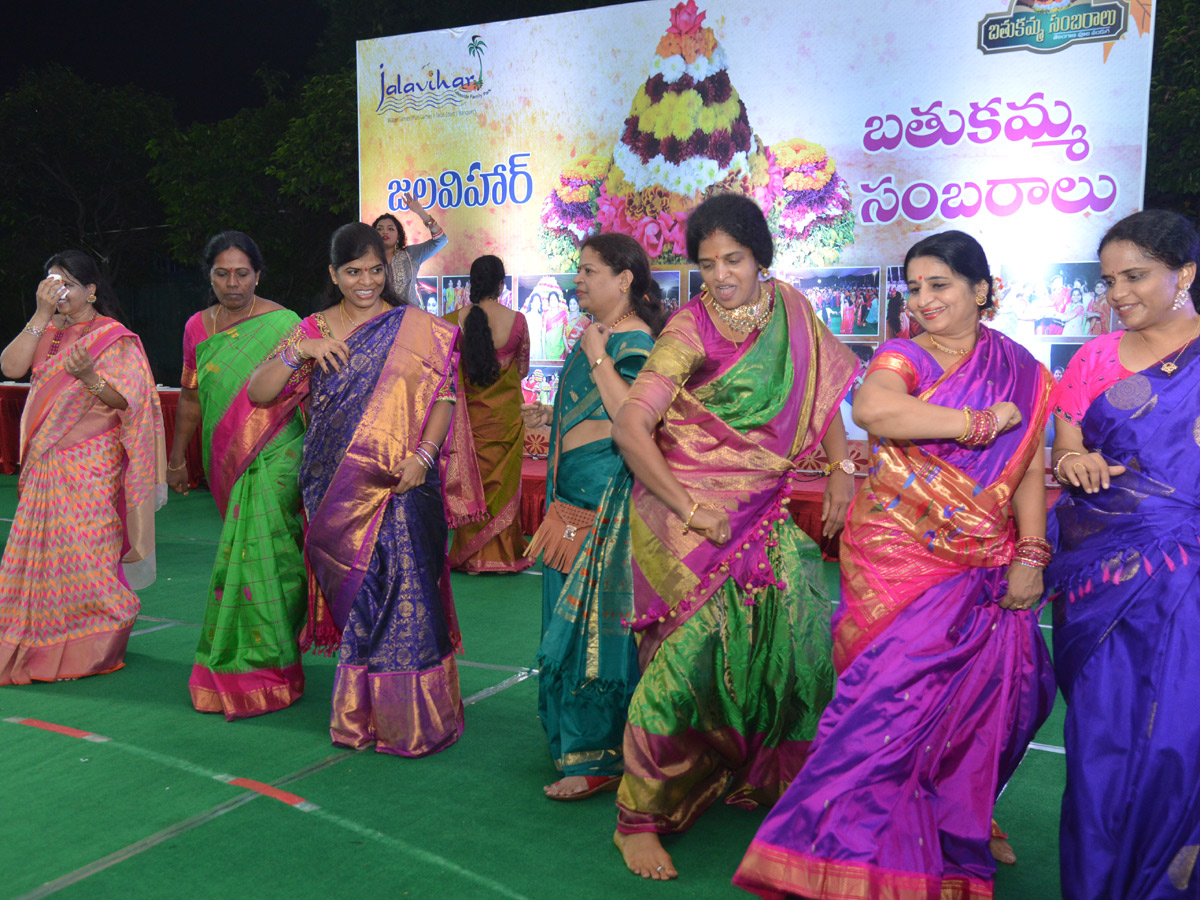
x=645 y=856
x=1002 y=851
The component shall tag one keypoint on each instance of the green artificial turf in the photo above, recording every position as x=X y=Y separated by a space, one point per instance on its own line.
x=149 y=813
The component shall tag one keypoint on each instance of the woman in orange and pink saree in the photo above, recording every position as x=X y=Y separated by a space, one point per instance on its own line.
x=248 y=659
x=92 y=466
x=495 y=357
x=733 y=626
x=943 y=673
x=383 y=473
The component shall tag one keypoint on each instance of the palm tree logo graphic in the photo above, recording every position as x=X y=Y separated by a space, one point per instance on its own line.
x=476 y=48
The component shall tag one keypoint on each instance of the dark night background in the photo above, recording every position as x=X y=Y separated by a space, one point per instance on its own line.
x=137 y=129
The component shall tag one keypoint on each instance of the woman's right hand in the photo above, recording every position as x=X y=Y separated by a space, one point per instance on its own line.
x=535 y=414
x=49 y=292
x=177 y=479
x=712 y=524
x=330 y=353
x=1089 y=471
x=1007 y=415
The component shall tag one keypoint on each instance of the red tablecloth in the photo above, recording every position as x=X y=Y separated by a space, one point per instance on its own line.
x=805 y=505
x=12 y=402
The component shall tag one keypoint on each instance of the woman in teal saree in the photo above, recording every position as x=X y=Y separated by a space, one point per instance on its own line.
x=248 y=659
x=588 y=661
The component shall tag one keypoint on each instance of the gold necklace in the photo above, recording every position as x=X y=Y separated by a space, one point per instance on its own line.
x=623 y=317
x=216 y=312
x=1169 y=367
x=950 y=350
x=351 y=325
x=748 y=316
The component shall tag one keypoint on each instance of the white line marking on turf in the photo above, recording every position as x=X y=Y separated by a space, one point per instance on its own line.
x=496 y=668
x=1047 y=748
x=497 y=688
x=154 y=628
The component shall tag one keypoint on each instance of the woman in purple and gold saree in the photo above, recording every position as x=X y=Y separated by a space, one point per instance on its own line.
x=943 y=676
x=248 y=660
x=1125 y=579
x=733 y=627
x=383 y=474
x=92 y=464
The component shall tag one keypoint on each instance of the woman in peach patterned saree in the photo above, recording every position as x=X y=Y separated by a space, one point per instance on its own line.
x=91 y=478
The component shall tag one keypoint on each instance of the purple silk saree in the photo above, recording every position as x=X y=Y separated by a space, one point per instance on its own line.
x=377 y=559
x=1126 y=587
x=940 y=689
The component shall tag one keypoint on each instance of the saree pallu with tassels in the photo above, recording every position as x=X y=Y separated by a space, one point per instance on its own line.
x=1126 y=586
x=248 y=659
x=587 y=661
x=496 y=544
x=377 y=560
x=734 y=641
x=939 y=689
x=83 y=535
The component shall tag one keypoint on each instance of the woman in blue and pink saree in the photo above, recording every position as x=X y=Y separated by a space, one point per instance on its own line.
x=386 y=469
x=943 y=676
x=1125 y=579
x=733 y=625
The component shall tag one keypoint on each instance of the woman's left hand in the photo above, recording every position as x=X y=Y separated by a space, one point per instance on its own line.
x=79 y=363
x=411 y=474
x=595 y=341
x=1024 y=587
x=839 y=491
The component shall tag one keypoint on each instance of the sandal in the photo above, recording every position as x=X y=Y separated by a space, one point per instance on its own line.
x=596 y=784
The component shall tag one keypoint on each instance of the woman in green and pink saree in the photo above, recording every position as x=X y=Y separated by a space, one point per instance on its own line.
x=248 y=659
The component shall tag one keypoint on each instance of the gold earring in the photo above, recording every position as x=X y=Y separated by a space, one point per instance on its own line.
x=980 y=299
x=91 y=298
x=763 y=273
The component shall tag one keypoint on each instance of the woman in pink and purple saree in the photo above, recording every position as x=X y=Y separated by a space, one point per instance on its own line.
x=1125 y=580
x=92 y=465
x=733 y=626
x=248 y=659
x=943 y=675
x=383 y=474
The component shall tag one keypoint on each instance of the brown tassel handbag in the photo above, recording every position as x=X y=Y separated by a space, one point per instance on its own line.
x=562 y=531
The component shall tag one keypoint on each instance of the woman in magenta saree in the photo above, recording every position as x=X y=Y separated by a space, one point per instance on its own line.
x=385 y=469
x=943 y=676
x=733 y=628
x=1125 y=579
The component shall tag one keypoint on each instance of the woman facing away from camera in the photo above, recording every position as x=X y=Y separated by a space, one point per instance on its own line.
x=92 y=469
x=495 y=357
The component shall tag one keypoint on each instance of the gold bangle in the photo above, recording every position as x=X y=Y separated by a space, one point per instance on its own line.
x=970 y=422
x=687 y=525
x=1058 y=476
x=171 y=468
x=98 y=388
x=598 y=361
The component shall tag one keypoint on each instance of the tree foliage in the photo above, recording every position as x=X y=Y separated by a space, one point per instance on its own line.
x=1173 y=156
x=73 y=161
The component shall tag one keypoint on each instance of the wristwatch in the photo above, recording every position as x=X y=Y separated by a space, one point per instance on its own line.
x=846 y=465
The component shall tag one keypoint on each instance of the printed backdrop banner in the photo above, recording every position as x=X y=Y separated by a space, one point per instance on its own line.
x=859 y=126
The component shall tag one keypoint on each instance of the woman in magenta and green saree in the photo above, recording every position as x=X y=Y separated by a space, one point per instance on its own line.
x=943 y=675
x=1125 y=580
x=386 y=468
x=733 y=627
x=248 y=659
x=92 y=460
